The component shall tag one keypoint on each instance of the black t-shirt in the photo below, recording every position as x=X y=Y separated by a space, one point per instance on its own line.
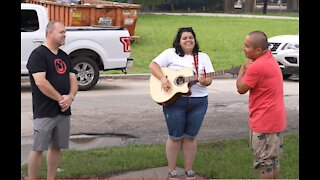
x=57 y=68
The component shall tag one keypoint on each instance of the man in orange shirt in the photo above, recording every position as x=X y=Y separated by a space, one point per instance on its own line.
x=261 y=75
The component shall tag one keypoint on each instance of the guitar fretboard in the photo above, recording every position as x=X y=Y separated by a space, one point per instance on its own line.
x=195 y=77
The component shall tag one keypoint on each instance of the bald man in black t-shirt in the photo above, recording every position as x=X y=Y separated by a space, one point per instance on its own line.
x=54 y=86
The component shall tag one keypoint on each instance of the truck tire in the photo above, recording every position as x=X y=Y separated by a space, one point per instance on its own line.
x=286 y=76
x=87 y=72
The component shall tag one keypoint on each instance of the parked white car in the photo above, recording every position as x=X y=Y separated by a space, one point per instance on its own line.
x=285 y=49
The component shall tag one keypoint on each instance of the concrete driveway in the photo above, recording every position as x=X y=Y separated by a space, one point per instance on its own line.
x=124 y=106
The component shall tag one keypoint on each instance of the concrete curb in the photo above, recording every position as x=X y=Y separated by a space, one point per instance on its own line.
x=225 y=15
x=147 y=76
x=125 y=76
x=25 y=79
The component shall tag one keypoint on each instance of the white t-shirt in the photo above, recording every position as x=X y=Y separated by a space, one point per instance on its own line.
x=169 y=58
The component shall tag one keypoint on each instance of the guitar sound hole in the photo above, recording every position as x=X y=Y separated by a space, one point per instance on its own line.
x=179 y=81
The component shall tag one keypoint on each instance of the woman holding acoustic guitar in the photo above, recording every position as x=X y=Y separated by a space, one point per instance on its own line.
x=185 y=111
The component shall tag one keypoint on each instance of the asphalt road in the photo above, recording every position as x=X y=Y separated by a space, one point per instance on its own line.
x=124 y=106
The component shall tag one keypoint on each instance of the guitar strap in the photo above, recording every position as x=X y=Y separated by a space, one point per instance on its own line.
x=196 y=64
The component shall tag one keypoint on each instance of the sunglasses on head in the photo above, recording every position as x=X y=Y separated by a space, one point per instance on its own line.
x=185 y=29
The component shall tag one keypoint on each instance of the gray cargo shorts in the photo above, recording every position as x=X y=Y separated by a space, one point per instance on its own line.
x=51 y=131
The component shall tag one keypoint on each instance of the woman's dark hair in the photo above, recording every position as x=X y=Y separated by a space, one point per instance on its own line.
x=176 y=42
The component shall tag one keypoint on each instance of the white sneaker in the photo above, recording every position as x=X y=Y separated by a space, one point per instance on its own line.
x=173 y=174
x=190 y=174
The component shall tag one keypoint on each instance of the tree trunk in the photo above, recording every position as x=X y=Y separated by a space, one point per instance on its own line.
x=172 y=7
x=228 y=6
x=292 y=5
x=265 y=6
x=248 y=6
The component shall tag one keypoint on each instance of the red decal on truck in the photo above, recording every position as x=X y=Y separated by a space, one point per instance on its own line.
x=126 y=43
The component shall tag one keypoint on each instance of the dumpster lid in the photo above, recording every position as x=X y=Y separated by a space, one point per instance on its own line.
x=93 y=28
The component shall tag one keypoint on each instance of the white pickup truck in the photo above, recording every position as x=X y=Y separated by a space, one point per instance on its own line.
x=91 y=49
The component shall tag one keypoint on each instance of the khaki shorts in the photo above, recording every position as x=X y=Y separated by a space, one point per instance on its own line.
x=267 y=150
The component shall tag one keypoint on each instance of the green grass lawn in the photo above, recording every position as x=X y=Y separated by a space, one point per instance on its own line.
x=220 y=37
x=227 y=159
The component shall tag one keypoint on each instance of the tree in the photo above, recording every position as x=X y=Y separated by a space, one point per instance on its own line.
x=228 y=6
x=248 y=6
x=149 y=3
x=292 y=5
x=265 y=5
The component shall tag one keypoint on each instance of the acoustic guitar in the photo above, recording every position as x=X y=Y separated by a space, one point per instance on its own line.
x=181 y=82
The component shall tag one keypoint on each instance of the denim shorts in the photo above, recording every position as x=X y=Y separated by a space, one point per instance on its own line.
x=184 y=117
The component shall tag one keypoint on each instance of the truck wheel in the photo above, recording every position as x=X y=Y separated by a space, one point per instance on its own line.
x=286 y=76
x=87 y=72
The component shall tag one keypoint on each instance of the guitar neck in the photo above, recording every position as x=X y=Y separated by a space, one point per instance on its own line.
x=195 y=77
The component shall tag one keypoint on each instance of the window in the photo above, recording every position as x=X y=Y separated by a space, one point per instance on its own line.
x=29 y=21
